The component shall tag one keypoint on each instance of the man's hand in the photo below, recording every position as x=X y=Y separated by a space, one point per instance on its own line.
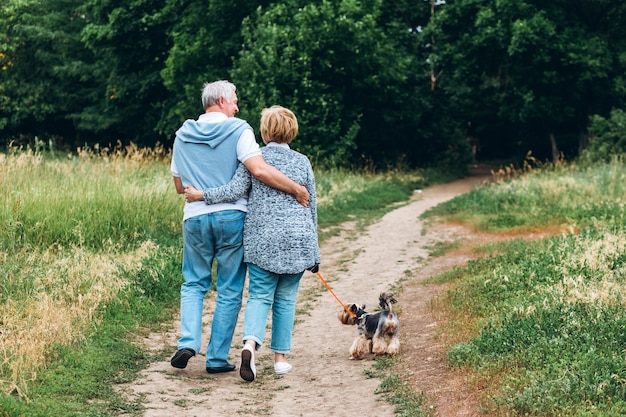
x=314 y=268
x=178 y=183
x=303 y=196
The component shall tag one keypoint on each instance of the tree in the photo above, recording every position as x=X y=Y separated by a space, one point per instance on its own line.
x=350 y=77
x=205 y=39
x=608 y=137
x=131 y=43
x=46 y=72
x=535 y=68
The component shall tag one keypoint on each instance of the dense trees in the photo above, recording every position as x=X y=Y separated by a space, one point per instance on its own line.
x=206 y=36
x=47 y=75
x=340 y=68
x=371 y=81
x=530 y=73
x=129 y=39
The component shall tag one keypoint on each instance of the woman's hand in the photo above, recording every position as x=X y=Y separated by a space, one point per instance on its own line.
x=192 y=194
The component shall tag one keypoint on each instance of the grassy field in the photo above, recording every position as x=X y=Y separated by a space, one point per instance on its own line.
x=90 y=255
x=541 y=323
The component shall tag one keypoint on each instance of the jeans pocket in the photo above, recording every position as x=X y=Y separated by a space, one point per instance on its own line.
x=231 y=226
x=192 y=230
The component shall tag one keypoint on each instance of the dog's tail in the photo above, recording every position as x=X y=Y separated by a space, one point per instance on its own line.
x=385 y=300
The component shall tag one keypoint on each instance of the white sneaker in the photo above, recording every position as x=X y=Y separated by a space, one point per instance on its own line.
x=282 y=368
x=247 y=370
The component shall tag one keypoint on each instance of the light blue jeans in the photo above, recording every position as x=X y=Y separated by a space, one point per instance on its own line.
x=276 y=291
x=205 y=238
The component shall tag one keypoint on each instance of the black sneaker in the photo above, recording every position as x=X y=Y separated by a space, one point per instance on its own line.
x=181 y=357
x=229 y=367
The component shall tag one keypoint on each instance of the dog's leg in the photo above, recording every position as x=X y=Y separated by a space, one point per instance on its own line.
x=380 y=346
x=358 y=348
x=394 y=345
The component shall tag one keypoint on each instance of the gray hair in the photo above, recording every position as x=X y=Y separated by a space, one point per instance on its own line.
x=211 y=92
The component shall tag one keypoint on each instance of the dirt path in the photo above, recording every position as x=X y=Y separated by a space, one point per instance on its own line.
x=324 y=381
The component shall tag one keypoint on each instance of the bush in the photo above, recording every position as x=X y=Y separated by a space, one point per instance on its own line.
x=608 y=137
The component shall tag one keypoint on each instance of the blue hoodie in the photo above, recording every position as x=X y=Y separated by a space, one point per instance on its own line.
x=205 y=154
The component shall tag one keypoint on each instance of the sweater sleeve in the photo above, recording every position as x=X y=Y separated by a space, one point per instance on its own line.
x=237 y=187
x=313 y=207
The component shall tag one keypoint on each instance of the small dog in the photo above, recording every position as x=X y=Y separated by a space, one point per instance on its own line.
x=374 y=328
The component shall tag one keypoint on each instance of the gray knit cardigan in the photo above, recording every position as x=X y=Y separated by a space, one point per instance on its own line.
x=280 y=235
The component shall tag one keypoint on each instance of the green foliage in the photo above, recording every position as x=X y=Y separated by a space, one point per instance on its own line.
x=548 y=314
x=200 y=53
x=523 y=70
x=556 y=197
x=463 y=354
x=129 y=39
x=81 y=379
x=374 y=83
x=158 y=281
x=408 y=403
x=103 y=200
x=46 y=72
x=336 y=66
x=608 y=137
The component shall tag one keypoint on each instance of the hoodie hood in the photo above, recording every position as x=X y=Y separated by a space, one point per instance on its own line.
x=212 y=134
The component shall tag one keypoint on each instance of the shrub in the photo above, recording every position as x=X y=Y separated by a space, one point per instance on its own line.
x=608 y=137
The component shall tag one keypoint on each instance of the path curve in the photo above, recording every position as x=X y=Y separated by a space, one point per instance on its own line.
x=324 y=382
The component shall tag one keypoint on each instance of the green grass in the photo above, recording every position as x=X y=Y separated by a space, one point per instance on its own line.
x=90 y=257
x=363 y=196
x=407 y=402
x=558 y=197
x=546 y=316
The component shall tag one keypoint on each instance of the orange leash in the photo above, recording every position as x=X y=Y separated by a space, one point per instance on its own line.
x=335 y=295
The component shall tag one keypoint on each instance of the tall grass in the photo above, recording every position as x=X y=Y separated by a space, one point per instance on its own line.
x=545 y=319
x=89 y=200
x=90 y=252
x=74 y=231
x=557 y=196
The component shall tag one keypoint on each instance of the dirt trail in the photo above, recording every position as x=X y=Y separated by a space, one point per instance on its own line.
x=324 y=381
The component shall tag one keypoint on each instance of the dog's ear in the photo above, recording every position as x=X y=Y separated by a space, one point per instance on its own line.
x=354 y=308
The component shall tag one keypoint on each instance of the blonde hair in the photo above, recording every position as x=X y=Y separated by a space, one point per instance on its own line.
x=278 y=124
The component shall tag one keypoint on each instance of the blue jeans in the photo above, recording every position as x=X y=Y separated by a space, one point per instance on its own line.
x=276 y=291
x=205 y=238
